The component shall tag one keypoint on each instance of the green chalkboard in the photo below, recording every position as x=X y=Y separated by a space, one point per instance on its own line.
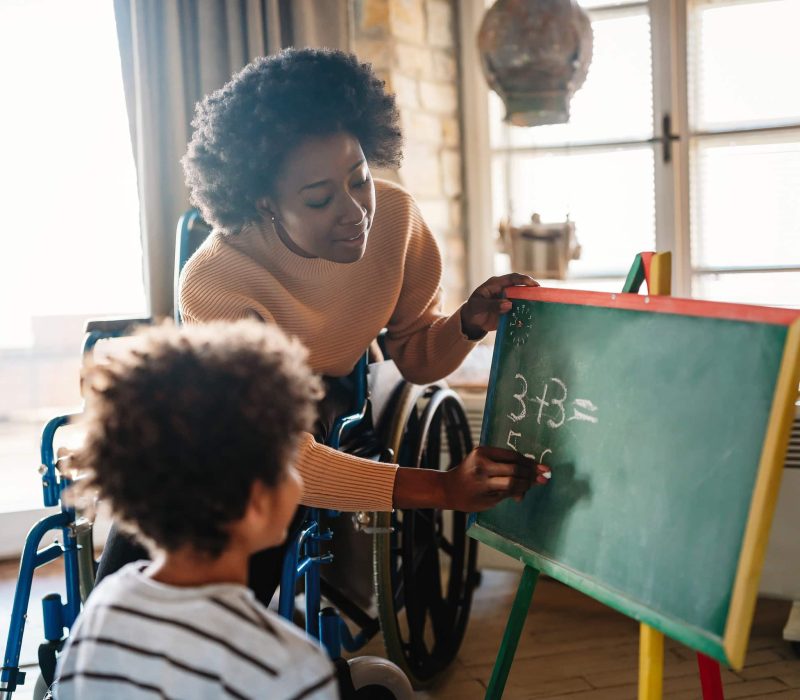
x=653 y=414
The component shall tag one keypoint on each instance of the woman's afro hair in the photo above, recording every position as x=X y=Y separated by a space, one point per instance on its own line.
x=244 y=130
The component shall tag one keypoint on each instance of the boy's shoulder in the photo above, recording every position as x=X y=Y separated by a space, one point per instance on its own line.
x=119 y=585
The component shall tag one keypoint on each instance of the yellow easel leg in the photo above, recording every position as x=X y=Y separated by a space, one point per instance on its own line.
x=651 y=663
x=651 y=642
x=660 y=281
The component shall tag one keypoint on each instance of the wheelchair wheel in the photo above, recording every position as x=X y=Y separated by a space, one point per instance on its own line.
x=41 y=691
x=424 y=563
x=375 y=678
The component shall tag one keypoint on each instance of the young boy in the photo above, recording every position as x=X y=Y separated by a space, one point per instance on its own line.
x=191 y=434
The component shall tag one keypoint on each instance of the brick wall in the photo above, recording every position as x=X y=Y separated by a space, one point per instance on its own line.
x=412 y=46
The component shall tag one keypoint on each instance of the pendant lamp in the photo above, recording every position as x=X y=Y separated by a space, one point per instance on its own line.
x=535 y=54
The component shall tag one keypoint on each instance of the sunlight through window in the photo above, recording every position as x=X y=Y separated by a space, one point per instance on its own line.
x=70 y=216
x=71 y=213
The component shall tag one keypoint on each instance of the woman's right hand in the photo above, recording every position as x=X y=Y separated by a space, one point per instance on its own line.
x=490 y=474
x=482 y=480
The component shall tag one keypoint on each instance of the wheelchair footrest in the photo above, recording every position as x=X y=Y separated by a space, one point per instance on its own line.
x=48 y=658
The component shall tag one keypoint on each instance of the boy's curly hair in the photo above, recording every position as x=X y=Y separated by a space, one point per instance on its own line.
x=182 y=423
x=244 y=130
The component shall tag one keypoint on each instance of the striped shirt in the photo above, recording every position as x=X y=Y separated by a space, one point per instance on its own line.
x=336 y=310
x=138 y=639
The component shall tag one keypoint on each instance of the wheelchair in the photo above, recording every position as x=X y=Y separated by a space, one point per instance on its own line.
x=423 y=565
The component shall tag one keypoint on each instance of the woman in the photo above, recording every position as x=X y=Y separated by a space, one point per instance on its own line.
x=279 y=164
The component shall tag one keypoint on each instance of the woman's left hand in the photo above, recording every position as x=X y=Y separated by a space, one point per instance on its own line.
x=481 y=312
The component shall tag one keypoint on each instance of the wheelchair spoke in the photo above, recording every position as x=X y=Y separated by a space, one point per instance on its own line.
x=426 y=516
x=399 y=595
x=426 y=602
x=446 y=546
x=415 y=608
x=419 y=558
x=438 y=608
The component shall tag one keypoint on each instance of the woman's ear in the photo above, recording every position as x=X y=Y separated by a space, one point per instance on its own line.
x=265 y=207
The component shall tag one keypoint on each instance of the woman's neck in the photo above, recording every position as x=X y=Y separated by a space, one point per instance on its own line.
x=286 y=239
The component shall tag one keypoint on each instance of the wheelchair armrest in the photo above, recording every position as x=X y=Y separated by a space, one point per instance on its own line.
x=114 y=326
x=104 y=328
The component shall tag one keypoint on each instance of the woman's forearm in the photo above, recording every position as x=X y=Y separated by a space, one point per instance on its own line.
x=420 y=488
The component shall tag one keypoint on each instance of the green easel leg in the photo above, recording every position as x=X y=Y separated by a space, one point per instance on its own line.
x=516 y=620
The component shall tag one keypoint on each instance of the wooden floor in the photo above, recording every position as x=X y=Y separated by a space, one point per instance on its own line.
x=572 y=648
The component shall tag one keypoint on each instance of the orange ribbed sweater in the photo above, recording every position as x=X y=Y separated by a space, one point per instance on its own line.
x=336 y=310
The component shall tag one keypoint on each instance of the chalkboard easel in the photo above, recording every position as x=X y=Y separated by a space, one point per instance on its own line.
x=666 y=457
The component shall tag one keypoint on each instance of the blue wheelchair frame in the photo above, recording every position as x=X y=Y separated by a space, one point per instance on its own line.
x=57 y=615
x=304 y=556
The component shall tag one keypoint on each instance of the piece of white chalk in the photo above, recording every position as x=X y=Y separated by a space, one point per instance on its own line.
x=548 y=475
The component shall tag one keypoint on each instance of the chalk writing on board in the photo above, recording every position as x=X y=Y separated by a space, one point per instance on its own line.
x=580 y=415
x=556 y=401
x=516 y=417
x=552 y=408
x=532 y=456
x=553 y=396
x=519 y=324
x=512 y=436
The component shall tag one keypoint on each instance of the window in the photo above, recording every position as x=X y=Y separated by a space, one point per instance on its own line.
x=721 y=194
x=70 y=215
x=744 y=131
